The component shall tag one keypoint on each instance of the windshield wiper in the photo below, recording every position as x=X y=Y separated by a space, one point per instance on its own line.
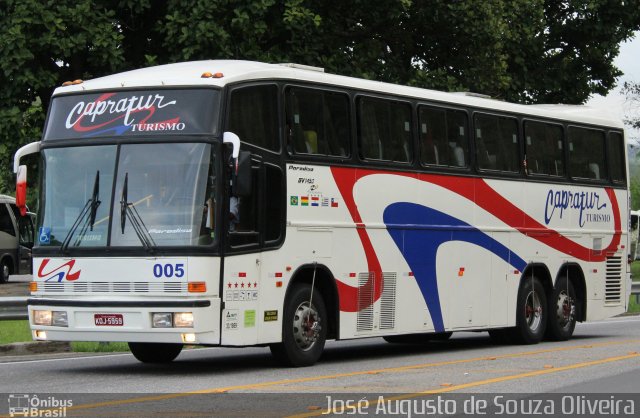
x=91 y=208
x=128 y=210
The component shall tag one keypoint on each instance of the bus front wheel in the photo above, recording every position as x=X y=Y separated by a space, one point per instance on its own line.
x=155 y=352
x=304 y=328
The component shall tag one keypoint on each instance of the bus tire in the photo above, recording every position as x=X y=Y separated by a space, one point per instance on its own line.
x=531 y=316
x=155 y=352
x=562 y=311
x=304 y=328
x=5 y=270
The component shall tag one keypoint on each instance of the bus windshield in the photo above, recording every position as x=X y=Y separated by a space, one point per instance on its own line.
x=128 y=195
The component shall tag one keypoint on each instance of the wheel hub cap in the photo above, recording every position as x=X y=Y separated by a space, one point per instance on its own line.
x=533 y=311
x=565 y=309
x=306 y=326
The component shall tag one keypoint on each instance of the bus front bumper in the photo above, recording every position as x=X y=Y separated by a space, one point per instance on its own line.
x=153 y=321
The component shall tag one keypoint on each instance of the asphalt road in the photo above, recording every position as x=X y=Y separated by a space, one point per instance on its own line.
x=16 y=286
x=602 y=358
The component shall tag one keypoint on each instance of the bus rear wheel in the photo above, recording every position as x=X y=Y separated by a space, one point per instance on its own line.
x=155 y=352
x=304 y=328
x=562 y=315
x=531 y=317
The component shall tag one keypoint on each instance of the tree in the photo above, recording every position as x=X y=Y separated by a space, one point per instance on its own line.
x=632 y=92
x=527 y=51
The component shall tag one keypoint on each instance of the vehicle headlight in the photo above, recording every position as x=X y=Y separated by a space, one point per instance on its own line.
x=51 y=318
x=42 y=317
x=183 y=320
x=59 y=319
x=162 y=320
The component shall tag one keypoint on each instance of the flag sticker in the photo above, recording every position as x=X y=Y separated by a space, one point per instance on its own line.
x=314 y=200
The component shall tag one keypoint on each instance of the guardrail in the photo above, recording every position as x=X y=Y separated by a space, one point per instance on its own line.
x=635 y=291
x=13 y=308
x=16 y=307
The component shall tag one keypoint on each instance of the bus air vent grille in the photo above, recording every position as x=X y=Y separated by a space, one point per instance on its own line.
x=613 y=283
x=366 y=290
x=54 y=287
x=388 y=301
x=122 y=287
x=100 y=287
x=115 y=287
x=80 y=287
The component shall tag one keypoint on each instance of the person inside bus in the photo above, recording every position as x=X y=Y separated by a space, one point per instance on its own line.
x=429 y=148
x=206 y=227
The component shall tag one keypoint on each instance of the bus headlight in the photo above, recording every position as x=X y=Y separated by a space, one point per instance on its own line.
x=42 y=317
x=162 y=320
x=172 y=319
x=59 y=319
x=183 y=320
x=51 y=318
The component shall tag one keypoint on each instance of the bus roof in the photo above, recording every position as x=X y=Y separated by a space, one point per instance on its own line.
x=234 y=71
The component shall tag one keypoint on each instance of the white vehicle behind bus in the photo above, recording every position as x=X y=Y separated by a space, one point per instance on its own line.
x=16 y=239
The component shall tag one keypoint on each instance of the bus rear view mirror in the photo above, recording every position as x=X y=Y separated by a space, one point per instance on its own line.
x=242 y=177
x=21 y=189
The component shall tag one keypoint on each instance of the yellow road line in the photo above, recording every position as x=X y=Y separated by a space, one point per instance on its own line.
x=475 y=384
x=160 y=397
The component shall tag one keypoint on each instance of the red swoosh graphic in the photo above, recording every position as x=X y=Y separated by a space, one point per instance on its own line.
x=69 y=276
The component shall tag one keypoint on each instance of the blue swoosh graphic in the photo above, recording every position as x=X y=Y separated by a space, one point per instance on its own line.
x=419 y=231
x=117 y=130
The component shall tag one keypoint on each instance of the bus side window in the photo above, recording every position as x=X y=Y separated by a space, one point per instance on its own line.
x=497 y=143
x=586 y=153
x=543 y=148
x=259 y=218
x=318 y=122
x=443 y=136
x=275 y=203
x=253 y=115
x=615 y=146
x=384 y=130
x=244 y=214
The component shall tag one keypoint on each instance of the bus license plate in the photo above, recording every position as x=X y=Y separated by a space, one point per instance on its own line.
x=111 y=320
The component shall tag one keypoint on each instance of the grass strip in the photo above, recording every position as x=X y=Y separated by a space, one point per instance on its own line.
x=98 y=347
x=14 y=331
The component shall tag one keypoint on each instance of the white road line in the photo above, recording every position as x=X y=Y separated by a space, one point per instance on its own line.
x=93 y=356
x=611 y=321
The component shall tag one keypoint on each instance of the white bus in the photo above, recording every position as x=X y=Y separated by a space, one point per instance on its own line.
x=347 y=209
